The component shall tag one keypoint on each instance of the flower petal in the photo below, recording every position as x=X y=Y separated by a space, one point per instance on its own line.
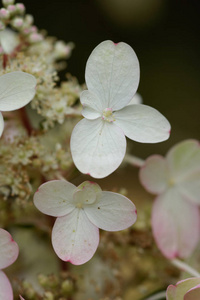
x=184 y=159
x=175 y=224
x=177 y=292
x=91 y=105
x=9 y=40
x=87 y=193
x=9 y=249
x=154 y=174
x=143 y=123
x=190 y=187
x=16 y=90
x=112 y=74
x=137 y=99
x=112 y=212
x=97 y=147
x=55 y=198
x=193 y=293
x=1 y=124
x=6 y=291
x=75 y=238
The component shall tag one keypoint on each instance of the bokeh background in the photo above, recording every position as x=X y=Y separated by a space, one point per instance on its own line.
x=165 y=37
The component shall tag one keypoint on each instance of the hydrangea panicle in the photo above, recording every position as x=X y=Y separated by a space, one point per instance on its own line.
x=8 y=254
x=175 y=215
x=16 y=90
x=80 y=212
x=98 y=142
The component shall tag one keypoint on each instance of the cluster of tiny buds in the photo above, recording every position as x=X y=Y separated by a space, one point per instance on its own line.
x=13 y=15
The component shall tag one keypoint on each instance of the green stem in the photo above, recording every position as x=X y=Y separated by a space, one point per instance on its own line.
x=133 y=160
x=184 y=267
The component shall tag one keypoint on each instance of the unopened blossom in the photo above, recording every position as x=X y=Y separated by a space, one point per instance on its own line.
x=176 y=182
x=188 y=289
x=98 y=142
x=16 y=90
x=8 y=254
x=80 y=212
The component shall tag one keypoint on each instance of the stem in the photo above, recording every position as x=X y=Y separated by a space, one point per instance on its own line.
x=184 y=267
x=157 y=296
x=133 y=160
x=25 y=120
x=5 y=60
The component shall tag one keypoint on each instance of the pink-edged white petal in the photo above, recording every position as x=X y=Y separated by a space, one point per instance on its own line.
x=112 y=212
x=75 y=238
x=91 y=105
x=1 y=124
x=175 y=224
x=193 y=293
x=112 y=74
x=98 y=147
x=143 y=123
x=21 y=298
x=184 y=159
x=177 y=292
x=190 y=187
x=55 y=198
x=154 y=175
x=16 y=90
x=6 y=292
x=9 y=249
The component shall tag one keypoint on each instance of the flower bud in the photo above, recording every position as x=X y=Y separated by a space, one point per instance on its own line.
x=20 y=8
x=17 y=22
x=4 y=14
x=11 y=9
x=7 y=2
x=35 y=37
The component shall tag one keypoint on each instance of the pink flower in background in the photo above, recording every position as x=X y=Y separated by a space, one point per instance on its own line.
x=98 y=142
x=80 y=212
x=8 y=254
x=176 y=182
x=188 y=289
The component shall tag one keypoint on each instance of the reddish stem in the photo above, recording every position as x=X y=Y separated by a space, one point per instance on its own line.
x=25 y=120
x=5 y=60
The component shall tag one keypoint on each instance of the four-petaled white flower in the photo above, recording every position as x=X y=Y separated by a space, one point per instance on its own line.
x=98 y=142
x=81 y=211
x=16 y=90
x=176 y=181
x=8 y=254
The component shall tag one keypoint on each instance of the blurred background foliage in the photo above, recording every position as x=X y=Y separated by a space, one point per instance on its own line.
x=165 y=37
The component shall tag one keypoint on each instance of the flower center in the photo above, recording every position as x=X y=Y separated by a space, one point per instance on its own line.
x=108 y=115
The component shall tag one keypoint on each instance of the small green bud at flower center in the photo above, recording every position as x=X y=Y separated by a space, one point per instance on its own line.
x=108 y=115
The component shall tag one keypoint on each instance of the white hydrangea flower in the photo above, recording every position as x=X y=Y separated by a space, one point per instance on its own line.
x=80 y=212
x=98 y=142
x=9 y=251
x=16 y=90
x=175 y=213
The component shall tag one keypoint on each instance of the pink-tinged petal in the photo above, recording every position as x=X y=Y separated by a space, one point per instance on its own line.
x=55 y=198
x=184 y=159
x=6 y=292
x=21 y=298
x=190 y=187
x=91 y=108
x=98 y=147
x=75 y=238
x=175 y=224
x=154 y=175
x=143 y=123
x=9 y=249
x=112 y=212
x=16 y=90
x=177 y=292
x=193 y=293
x=112 y=74
x=1 y=124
